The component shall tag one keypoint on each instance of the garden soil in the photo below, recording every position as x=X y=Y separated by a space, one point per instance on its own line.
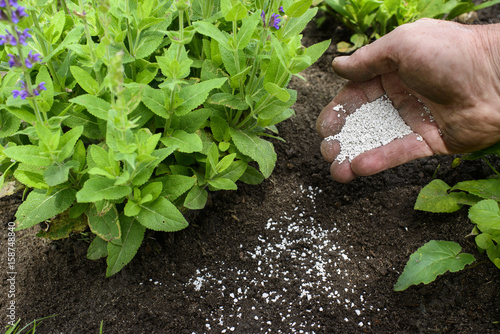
x=299 y=253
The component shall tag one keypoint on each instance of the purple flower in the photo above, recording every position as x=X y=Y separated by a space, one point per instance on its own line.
x=8 y=39
x=37 y=89
x=23 y=93
x=14 y=61
x=18 y=13
x=23 y=36
x=281 y=10
x=32 y=58
x=274 y=21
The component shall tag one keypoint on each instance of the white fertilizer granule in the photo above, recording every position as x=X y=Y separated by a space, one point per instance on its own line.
x=374 y=124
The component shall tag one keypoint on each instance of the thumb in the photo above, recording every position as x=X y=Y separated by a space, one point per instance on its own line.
x=377 y=58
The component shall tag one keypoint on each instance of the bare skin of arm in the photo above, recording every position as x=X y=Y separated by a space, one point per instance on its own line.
x=452 y=70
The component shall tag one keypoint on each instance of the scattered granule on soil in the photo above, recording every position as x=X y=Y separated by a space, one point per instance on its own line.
x=373 y=125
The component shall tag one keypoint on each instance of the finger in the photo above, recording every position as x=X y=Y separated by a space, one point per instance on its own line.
x=369 y=61
x=330 y=149
x=342 y=172
x=395 y=153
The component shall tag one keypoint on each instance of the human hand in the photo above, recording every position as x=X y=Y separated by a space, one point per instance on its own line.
x=451 y=69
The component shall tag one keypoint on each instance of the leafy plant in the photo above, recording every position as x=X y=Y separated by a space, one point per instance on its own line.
x=482 y=197
x=15 y=328
x=371 y=19
x=130 y=112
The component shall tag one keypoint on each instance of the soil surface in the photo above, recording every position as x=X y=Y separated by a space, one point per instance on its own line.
x=299 y=253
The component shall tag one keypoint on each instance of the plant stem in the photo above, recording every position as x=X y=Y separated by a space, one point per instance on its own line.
x=491 y=166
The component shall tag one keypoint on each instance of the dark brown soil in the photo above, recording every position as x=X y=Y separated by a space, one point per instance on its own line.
x=299 y=253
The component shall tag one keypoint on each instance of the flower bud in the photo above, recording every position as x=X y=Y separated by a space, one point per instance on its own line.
x=182 y=4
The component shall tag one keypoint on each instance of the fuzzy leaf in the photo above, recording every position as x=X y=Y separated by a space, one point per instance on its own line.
x=488 y=189
x=28 y=154
x=433 y=259
x=175 y=185
x=121 y=254
x=106 y=225
x=85 y=80
x=161 y=215
x=31 y=176
x=99 y=188
x=186 y=142
x=256 y=148
x=98 y=248
x=40 y=206
x=196 y=198
x=298 y=8
x=9 y=123
x=95 y=105
x=194 y=95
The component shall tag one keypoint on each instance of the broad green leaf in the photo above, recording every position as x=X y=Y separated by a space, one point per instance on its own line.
x=256 y=148
x=234 y=171
x=99 y=188
x=212 y=31
x=277 y=91
x=275 y=107
x=252 y=176
x=161 y=215
x=175 y=185
x=295 y=25
x=58 y=174
x=486 y=215
x=95 y=105
x=148 y=43
x=191 y=122
x=236 y=13
x=155 y=100
x=194 y=95
x=40 y=206
x=433 y=259
x=85 y=80
x=488 y=189
x=196 y=198
x=220 y=183
x=121 y=254
x=68 y=141
x=28 y=154
x=186 y=142
x=106 y=224
x=98 y=248
x=31 y=176
x=228 y=100
x=434 y=197
x=298 y=8
x=247 y=30
x=9 y=124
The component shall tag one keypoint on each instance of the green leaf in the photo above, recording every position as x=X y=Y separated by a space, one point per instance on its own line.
x=62 y=226
x=68 y=141
x=40 y=206
x=31 y=176
x=9 y=124
x=196 y=198
x=298 y=8
x=247 y=30
x=175 y=185
x=220 y=183
x=161 y=215
x=98 y=248
x=95 y=105
x=106 y=224
x=488 y=189
x=275 y=90
x=99 y=188
x=85 y=80
x=235 y=170
x=148 y=43
x=237 y=12
x=186 y=142
x=29 y=154
x=58 y=174
x=121 y=254
x=194 y=95
x=433 y=259
x=256 y=148
x=155 y=100
x=486 y=215
x=434 y=197
x=212 y=31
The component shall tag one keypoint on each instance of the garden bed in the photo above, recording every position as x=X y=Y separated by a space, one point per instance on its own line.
x=299 y=253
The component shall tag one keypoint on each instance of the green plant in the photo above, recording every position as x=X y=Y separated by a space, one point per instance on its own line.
x=31 y=327
x=483 y=197
x=371 y=19
x=148 y=105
